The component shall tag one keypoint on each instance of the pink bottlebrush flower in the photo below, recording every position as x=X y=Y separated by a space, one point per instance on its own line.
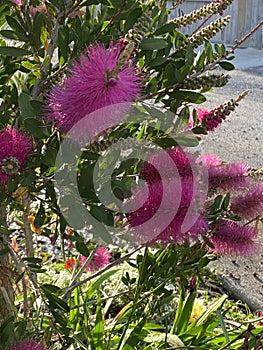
x=227 y=177
x=70 y=264
x=250 y=205
x=233 y=239
x=101 y=78
x=41 y=8
x=180 y=162
x=27 y=345
x=14 y=149
x=211 y=119
x=169 y=211
x=17 y=2
x=169 y=206
x=100 y=259
x=209 y=160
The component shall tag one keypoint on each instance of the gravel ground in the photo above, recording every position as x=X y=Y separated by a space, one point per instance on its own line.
x=240 y=138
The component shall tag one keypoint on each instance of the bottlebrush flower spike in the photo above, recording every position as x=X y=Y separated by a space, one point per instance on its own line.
x=205 y=82
x=233 y=239
x=169 y=206
x=206 y=33
x=208 y=9
x=98 y=80
x=227 y=177
x=15 y=146
x=17 y=2
x=101 y=258
x=250 y=205
x=28 y=345
x=209 y=160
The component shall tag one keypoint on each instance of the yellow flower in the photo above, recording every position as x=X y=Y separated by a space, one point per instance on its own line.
x=198 y=309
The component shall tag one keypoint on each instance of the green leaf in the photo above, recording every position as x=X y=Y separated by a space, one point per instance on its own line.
x=95 y=285
x=13 y=51
x=4 y=251
x=153 y=44
x=51 y=288
x=216 y=205
x=35 y=127
x=132 y=18
x=54 y=301
x=157 y=62
x=167 y=28
x=82 y=248
x=15 y=25
x=226 y=201
x=161 y=338
x=18 y=279
x=212 y=308
x=39 y=21
x=220 y=49
x=188 y=96
x=40 y=216
x=28 y=178
x=102 y=214
x=226 y=65
x=99 y=327
x=10 y=34
x=26 y=109
x=169 y=75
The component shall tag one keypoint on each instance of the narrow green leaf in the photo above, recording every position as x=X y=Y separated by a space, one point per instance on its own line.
x=99 y=327
x=157 y=62
x=167 y=28
x=10 y=34
x=82 y=248
x=40 y=216
x=95 y=285
x=215 y=306
x=25 y=107
x=14 y=24
x=153 y=44
x=13 y=51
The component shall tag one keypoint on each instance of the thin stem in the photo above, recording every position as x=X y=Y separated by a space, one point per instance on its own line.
x=80 y=273
x=20 y=271
x=202 y=24
x=60 y=22
x=233 y=48
x=100 y=272
x=211 y=65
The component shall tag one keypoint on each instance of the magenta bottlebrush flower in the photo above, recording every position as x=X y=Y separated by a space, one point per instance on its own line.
x=180 y=162
x=209 y=160
x=17 y=2
x=28 y=345
x=233 y=239
x=211 y=119
x=101 y=258
x=167 y=210
x=14 y=149
x=250 y=205
x=101 y=78
x=227 y=177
